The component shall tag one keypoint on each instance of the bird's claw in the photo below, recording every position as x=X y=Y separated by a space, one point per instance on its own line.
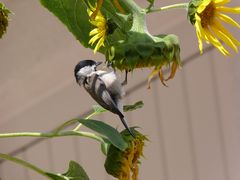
x=125 y=80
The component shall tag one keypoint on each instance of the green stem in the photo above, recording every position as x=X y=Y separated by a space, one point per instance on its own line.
x=23 y=163
x=25 y=134
x=65 y=124
x=173 y=6
x=79 y=125
x=52 y=135
x=139 y=16
x=70 y=122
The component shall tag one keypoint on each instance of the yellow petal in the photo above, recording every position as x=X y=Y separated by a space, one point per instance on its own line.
x=93 y=32
x=100 y=18
x=216 y=42
x=225 y=38
x=199 y=32
x=228 y=20
x=203 y=5
x=200 y=45
x=226 y=32
x=91 y=7
x=99 y=44
x=221 y=2
x=94 y=23
x=94 y=39
x=235 y=10
x=99 y=32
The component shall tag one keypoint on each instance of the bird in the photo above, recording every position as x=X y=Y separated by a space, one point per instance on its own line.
x=103 y=87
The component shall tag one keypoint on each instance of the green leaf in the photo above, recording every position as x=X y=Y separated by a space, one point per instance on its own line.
x=107 y=131
x=75 y=172
x=72 y=13
x=133 y=107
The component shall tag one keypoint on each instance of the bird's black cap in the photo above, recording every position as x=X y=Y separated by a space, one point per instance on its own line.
x=84 y=63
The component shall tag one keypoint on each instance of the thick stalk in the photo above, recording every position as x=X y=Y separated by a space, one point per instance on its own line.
x=139 y=22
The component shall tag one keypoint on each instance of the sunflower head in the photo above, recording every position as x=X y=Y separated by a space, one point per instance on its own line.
x=142 y=50
x=124 y=164
x=4 y=12
x=207 y=17
x=99 y=33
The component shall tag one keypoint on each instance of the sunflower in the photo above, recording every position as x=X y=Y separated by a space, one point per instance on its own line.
x=124 y=164
x=100 y=32
x=206 y=16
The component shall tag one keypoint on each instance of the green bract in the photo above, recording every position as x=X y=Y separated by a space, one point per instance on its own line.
x=192 y=9
x=4 y=12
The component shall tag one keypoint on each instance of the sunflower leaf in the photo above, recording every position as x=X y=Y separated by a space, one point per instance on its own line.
x=136 y=105
x=72 y=13
x=106 y=131
x=75 y=172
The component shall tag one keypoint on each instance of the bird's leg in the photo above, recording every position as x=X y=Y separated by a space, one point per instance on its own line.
x=109 y=64
x=125 y=80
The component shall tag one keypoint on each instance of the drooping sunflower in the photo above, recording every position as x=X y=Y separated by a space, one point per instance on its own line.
x=124 y=164
x=207 y=17
x=99 y=33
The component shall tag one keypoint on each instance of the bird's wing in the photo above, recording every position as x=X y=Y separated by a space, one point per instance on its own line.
x=112 y=83
x=98 y=90
x=96 y=87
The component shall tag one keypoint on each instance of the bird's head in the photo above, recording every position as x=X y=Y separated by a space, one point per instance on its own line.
x=83 y=69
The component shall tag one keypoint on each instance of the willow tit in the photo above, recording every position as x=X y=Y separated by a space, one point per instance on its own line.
x=103 y=86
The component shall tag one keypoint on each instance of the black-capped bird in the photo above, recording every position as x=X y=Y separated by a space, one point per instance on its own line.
x=103 y=86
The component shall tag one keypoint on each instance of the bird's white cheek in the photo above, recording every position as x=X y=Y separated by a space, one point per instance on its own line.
x=81 y=80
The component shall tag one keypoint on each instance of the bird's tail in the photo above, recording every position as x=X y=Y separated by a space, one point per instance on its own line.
x=126 y=126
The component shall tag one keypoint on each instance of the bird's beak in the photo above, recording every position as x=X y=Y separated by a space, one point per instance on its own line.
x=98 y=63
